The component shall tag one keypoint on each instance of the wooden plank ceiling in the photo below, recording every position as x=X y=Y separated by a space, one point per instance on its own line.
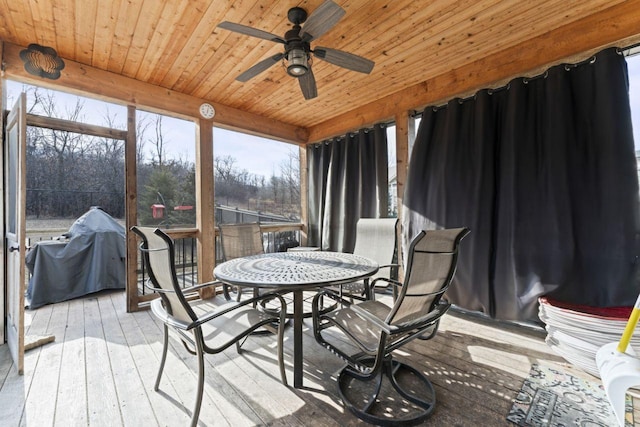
x=176 y=44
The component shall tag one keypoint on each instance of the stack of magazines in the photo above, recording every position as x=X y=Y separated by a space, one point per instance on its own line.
x=576 y=332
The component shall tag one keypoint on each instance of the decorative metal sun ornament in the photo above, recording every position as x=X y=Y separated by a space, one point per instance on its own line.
x=42 y=61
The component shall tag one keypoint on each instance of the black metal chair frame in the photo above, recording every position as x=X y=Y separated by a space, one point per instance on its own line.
x=175 y=311
x=374 y=361
x=370 y=245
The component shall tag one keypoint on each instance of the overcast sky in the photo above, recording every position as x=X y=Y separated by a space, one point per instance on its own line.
x=259 y=156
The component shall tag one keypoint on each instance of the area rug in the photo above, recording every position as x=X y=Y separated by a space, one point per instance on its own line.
x=550 y=397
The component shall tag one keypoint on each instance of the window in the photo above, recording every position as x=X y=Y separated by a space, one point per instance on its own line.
x=166 y=171
x=67 y=172
x=62 y=105
x=256 y=179
x=393 y=177
x=633 y=64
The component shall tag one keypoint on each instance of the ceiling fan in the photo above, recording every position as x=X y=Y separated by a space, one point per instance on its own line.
x=297 y=49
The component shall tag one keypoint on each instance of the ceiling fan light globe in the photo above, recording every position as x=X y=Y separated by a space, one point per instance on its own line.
x=296 y=70
x=297 y=62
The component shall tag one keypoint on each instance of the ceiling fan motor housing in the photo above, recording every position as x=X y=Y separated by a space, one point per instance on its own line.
x=297 y=15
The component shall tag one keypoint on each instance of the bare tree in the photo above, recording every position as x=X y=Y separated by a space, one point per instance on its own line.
x=142 y=127
x=158 y=142
x=68 y=172
x=224 y=168
x=290 y=175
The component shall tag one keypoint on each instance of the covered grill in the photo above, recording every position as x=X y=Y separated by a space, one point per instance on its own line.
x=91 y=260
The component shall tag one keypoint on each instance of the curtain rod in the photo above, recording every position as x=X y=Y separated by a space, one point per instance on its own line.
x=366 y=129
x=627 y=51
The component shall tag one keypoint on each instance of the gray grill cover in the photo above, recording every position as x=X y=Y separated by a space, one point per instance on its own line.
x=93 y=259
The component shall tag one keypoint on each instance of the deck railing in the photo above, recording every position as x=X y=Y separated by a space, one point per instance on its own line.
x=277 y=237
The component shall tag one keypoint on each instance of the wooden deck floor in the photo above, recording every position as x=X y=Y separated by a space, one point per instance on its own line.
x=101 y=369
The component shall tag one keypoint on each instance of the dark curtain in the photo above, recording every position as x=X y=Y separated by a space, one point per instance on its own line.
x=347 y=181
x=544 y=174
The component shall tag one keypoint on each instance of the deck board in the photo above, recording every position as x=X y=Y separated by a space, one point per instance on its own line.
x=15 y=384
x=102 y=397
x=102 y=366
x=40 y=407
x=221 y=404
x=132 y=395
x=71 y=401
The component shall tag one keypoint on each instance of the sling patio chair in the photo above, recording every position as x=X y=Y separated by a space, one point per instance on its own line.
x=365 y=335
x=375 y=239
x=201 y=326
x=239 y=240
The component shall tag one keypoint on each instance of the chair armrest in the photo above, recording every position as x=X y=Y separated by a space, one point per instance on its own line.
x=360 y=309
x=184 y=290
x=333 y=295
x=390 y=281
x=426 y=321
x=160 y=312
x=422 y=323
x=235 y=305
x=147 y=285
x=201 y=285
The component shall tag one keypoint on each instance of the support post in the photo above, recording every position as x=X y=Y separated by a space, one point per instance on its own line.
x=304 y=195
x=205 y=208
x=131 y=210
x=404 y=131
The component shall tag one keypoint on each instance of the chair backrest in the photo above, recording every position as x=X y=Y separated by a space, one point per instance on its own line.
x=431 y=264
x=158 y=255
x=376 y=239
x=240 y=240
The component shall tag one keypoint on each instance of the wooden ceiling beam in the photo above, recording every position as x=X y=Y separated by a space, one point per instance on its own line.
x=617 y=25
x=96 y=83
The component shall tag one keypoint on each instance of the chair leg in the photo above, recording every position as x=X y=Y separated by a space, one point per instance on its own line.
x=165 y=345
x=226 y=291
x=283 y=375
x=200 y=389
x=239 y=345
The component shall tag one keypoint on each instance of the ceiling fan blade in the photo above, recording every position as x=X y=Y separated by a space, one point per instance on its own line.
x=321 y=20
x=249 y=31
x=259 y=67
x=344 y=59
x=308 y=85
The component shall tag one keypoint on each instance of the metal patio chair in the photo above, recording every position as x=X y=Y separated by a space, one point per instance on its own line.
x=375 y=330
x=375 y=239
x=201 y=327
x=239 y=240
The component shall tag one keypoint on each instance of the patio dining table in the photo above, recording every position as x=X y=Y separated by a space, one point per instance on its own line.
x=295 y=272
